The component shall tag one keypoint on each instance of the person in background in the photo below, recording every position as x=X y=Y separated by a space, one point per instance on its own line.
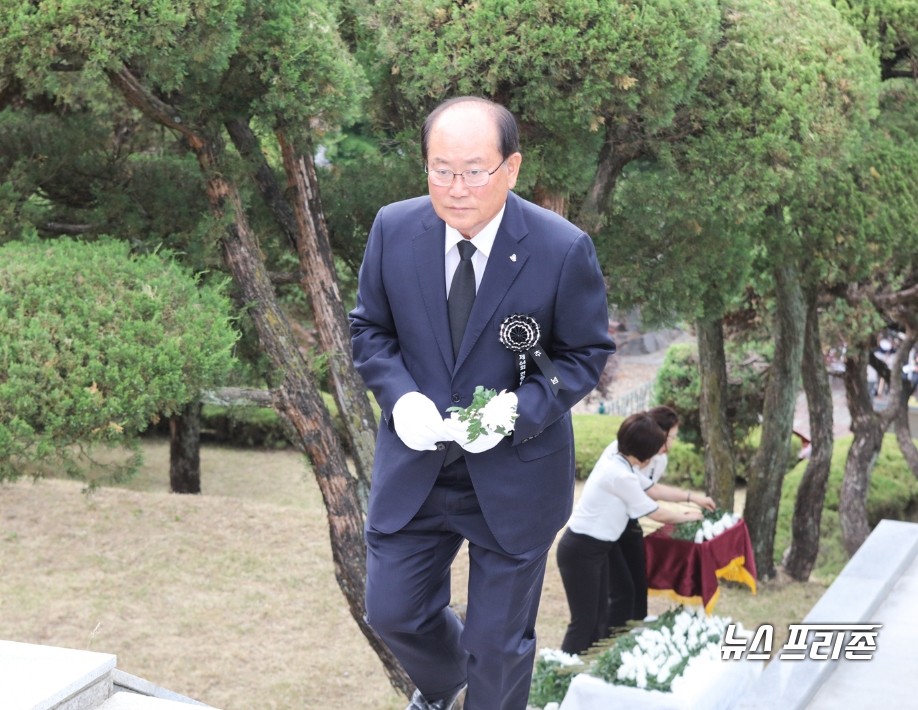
x=445 y=278
x=882 y=359
x=630 y=601
x=589 y=549
x=911 y=370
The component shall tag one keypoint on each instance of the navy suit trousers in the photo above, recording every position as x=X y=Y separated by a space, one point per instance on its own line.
x=408 y=597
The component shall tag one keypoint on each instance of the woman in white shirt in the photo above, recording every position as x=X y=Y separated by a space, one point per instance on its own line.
x=613 y=495
x=629 y=600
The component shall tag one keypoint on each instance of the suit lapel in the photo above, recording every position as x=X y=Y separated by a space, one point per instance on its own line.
x=428 y=261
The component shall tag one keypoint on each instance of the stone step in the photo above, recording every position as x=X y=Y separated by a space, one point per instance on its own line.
x=34 y=677
x=50 y=678
x=138 y=686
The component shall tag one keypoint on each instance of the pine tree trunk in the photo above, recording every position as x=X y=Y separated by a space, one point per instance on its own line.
x=550 y=200
x=185 y=450
x=868 y=438
x=299 y=401
x=303 y=222
x=904 y=437
x=868 y=427
x=804 y=547
x=772 y=458
x=617 y=151
x=296 y=397
x=320 y=282
x=719 y=461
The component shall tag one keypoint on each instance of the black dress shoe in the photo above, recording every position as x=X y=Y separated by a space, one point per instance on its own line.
x=453 y=702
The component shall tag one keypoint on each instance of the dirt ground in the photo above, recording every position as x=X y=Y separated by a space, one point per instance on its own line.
x=229 y=597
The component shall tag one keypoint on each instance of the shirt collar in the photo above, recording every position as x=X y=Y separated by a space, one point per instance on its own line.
x=483 y=241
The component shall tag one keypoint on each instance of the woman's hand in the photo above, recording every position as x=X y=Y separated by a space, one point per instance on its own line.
x=700 y=500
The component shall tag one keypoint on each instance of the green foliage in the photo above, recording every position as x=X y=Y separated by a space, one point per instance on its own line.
x=860 y=220
x=678 y=386
x=214 y=58
x=794 y=87
x=101 y=173
x=244 y=426
x=892 y=493
x=684 y=466
x=95 y=343
x=550 y=681
x=676 y=249
x=567 y=69
x=592 y=434
x=891 y=26
x=782 y=105
x=362 y=177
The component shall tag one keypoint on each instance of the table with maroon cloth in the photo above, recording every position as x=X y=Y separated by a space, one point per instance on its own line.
x=691 y=571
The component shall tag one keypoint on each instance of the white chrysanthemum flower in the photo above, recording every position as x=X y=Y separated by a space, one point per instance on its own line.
x=499 y=412
x=560 y=657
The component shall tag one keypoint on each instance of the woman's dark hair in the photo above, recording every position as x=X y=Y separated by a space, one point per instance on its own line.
x=665 y=417
x=640 y=436
x=507 y=130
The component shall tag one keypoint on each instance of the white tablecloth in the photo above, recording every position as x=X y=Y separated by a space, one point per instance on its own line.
x=717 y=686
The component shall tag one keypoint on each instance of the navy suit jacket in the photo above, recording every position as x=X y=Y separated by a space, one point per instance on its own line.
x=540 y=265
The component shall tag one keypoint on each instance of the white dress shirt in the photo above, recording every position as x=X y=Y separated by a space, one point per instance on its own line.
x=654 y=470
x=612 y=495
x=483 y=242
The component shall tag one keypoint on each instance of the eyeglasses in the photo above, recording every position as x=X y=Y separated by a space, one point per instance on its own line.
x=476 y=177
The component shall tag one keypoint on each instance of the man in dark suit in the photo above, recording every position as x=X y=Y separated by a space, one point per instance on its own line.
x=433 y=488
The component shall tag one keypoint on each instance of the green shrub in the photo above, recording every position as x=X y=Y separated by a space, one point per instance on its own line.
x=592 y=434
x=892 y=493
x=96 y=342
x=259 y=427
x=685 y=468
x=751 y=444
x=678 y=385
x=251 y=426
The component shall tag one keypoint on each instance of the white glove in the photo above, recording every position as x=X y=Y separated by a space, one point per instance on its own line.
x=418 y=422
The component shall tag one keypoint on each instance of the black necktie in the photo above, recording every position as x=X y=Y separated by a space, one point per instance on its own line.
x=461 y=294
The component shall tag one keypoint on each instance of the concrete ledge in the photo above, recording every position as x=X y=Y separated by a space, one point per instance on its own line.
x=132 y=684
x=36 y=677
x=888 y=554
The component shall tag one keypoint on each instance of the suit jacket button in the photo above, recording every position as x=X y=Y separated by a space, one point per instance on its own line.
x=456 y=397
x=441 y=446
